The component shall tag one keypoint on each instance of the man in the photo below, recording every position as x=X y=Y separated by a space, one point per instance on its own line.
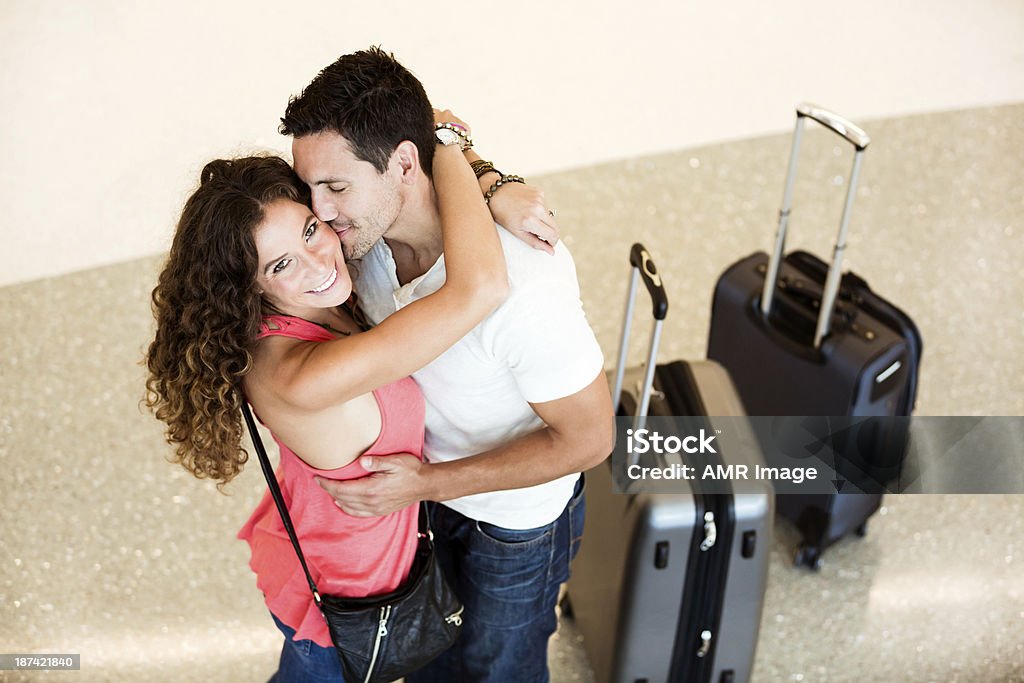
x=515 y=410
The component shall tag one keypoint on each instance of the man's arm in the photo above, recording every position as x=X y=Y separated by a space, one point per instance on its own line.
x=578 y=434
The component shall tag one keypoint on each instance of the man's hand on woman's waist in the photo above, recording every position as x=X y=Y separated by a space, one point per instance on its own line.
x=395 y=482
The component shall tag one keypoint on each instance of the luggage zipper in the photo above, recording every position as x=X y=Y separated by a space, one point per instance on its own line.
x=697 y=625
x=382 y=630
x=709 y=583
x=455 y=617
x=708 y=566
x=710 y=532
x=705 y=644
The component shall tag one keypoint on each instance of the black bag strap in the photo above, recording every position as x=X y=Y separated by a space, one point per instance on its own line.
x=282 y=509
x=275 y=492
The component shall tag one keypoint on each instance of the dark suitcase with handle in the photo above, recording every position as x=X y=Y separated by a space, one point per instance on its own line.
x=800 y=339
x=670 y=586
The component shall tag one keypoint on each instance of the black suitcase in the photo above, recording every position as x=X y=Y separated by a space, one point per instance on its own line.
x=670 y=586
x=799 y=339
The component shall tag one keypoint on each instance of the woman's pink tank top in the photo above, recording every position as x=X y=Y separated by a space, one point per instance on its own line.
x=349 y=556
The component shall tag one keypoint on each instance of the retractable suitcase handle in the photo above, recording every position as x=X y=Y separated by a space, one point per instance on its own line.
x=643 y=265
x=853 y=133
x=860 y=141
x=642 y=268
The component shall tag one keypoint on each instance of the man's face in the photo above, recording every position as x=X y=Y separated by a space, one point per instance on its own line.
x=349 y=194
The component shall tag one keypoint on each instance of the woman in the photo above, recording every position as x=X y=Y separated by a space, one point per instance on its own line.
x=256 y=294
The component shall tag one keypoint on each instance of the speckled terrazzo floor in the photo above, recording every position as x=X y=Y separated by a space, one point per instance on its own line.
x=109 y=551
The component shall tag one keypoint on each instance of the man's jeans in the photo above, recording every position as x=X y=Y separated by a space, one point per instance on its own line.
x=508 y=580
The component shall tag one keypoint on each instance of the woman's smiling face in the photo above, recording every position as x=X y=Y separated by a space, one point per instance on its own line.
x=301 y=264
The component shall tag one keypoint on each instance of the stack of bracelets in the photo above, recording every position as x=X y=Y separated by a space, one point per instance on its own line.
x=481 y=167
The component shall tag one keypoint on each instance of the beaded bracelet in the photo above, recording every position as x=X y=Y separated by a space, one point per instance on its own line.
x=503 y=180
x=482 y=168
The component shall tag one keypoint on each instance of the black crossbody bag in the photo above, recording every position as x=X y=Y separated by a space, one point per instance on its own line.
x=382 y=637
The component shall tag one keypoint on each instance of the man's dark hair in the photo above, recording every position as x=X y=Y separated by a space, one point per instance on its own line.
x=371 y=100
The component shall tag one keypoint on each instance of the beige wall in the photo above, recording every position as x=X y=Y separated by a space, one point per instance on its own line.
x=109 y=109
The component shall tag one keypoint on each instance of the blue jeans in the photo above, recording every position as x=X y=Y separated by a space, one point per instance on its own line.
x=508 y=580
x=304 y=660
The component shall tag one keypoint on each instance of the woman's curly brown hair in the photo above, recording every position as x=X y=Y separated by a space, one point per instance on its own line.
x=208 y=310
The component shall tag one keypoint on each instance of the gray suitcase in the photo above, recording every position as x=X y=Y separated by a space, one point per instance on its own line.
x=669 y=586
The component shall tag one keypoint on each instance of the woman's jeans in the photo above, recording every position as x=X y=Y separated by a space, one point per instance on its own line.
x=508 y=580
x=304 y=660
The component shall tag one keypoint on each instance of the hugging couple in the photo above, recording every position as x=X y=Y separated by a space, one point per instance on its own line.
x=464 y=373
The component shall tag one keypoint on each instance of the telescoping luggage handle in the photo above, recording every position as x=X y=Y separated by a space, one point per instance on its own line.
x=642 y=267
x=859 y=139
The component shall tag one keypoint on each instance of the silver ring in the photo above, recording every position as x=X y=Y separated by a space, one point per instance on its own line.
x=551 y=212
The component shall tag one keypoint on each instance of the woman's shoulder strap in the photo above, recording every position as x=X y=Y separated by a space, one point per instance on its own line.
x=290 y=326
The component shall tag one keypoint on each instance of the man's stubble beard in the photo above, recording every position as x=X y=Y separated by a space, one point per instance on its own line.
x=370 y=231
x=359 y=248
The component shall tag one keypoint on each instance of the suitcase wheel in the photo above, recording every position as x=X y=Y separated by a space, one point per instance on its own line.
x=862 y=530
x=808 y=556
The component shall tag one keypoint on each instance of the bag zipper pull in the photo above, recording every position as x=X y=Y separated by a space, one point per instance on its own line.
x=382 y=630
x=455 y=618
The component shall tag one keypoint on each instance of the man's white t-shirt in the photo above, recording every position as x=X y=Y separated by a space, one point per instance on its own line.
x=536 y=347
